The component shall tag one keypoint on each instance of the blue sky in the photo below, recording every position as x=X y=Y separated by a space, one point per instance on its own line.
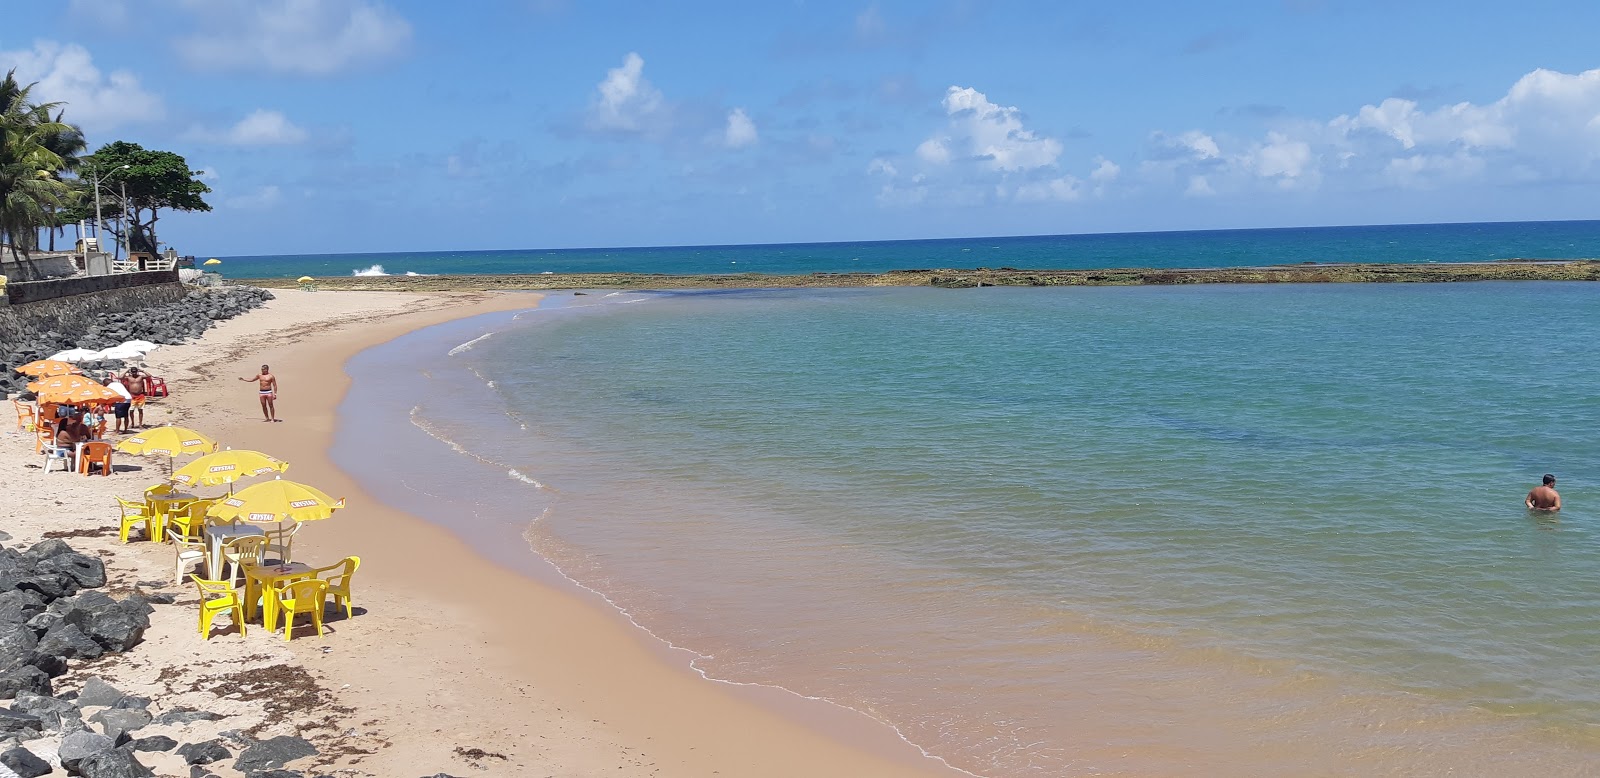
x=368 y=125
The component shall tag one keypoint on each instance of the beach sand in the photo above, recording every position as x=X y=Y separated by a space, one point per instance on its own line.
x=451 y=663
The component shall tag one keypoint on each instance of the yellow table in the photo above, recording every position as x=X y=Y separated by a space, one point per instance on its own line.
x=161 y=506
x=259 y=578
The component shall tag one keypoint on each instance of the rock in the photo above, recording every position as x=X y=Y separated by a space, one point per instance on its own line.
x=86 y=571
x=277 y=774
x=114 y=722
x=115 y=625
x=4 y=535
x=51 y=665
x=56 y=715
x=48 y=548
x=25 y=679
x=115 y=763
x=204 y=753
x=50 y=586
x=42 y=622
x=79 y=745
x=132 y=702
x=66 y=640
x=13 y=723
x=275 y=752
x=17 y=644
x=18 y=607
x=153 y=743
x=24 y=763
x=96 y=692
x=185 y=716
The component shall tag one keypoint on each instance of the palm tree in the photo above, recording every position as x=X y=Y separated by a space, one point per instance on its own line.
x=29 y=186
x=66 y=143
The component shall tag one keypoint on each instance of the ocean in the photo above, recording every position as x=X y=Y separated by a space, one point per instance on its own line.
x=1215 y=248
x=1225 y=530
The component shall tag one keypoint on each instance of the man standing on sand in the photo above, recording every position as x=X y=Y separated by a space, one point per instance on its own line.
x=120 y=409
x=1544 y=497
x=138 y=385
x=269 y=393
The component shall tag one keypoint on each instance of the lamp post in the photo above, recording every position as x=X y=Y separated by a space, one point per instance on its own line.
x=98 y=225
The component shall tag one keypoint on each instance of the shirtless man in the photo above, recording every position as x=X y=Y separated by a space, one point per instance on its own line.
x=137 y=384
x=269 y=393
x=1544 y=497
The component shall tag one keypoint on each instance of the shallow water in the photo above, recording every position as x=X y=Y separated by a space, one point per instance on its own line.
x=1223 y=530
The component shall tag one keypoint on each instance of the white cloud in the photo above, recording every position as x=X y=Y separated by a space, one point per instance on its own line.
x=93 y=100
x=740 y=132
x=626 y=102
x=261 y=199
x=298 y=37
x=260 y=128
x=933 y=150
x=1105 y=171
x=994 y=134
x=1064 y=188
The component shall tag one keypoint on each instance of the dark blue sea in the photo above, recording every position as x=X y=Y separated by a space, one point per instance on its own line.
x=1407 y=243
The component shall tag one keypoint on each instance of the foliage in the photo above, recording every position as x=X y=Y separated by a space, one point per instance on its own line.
x=35 y=148
x=154 y=181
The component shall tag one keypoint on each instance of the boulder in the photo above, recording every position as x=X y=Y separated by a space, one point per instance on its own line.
x=50 y=586
x=275 y=752
x=56 y=715
x=25 y=679
x=132 y=702
x=153 y=743
x=17 y=644
x=48 y=548
x=185 y=716
x=18 y=607
x=51 y=665
x=80 y=745
x=115 y=763
x=97 y=693
x=42 y=622
x=204 y=753
x=115 y=722
x=115 y=625
x=23 y=725
x=24 y=763
x=67 y=641
x=86 y=571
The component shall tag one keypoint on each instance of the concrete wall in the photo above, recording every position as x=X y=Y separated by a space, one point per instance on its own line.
x=28 y=292
x=44 y=265
x=67 y=314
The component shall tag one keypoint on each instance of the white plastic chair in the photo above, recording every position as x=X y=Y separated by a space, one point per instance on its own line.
x=60 y=454
x=185 y=553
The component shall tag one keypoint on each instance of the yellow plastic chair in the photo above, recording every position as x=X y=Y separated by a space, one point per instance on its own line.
x=239 y=552
x=339 y=582
x=216 y=597
x=305 y=596
x=135 y=513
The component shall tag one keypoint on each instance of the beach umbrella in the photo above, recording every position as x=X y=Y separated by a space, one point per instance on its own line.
x=48 y=367
x=276 y=501
x=142 y=345
x=76 y=355
x=213 y=261
x=82 y=395
x=61 y=383
x=227 y=466
x=123 y=352
x=168 y=441
x=304 y=280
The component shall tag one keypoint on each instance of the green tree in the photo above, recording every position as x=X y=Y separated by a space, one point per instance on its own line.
x=65 y=141
x=155 y=181
x=30 y=166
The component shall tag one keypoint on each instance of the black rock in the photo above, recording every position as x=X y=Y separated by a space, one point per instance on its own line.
x=17 y=607
x=153 y=743
x=204 y=753
x=66 y=640
x=17 y=645
x=132 y=702
x=115 y=625
x=50 y=586
x=19 y=724
x=56 y=715
x=185 y=715
x=22 y=680
x=114 y=722
x=4 y=535
x=276 y=774
x=96 y=692
x=42 y=622
x=24 y=763
x=275 y=752
x=86 y=571
x=115 y=763
x=51 y=665
x=45 y=549
x=79 y=745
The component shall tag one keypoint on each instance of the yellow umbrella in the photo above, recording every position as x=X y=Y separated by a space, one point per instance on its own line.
x=304 y=279
x=276 y=501
x=213 y=261
x=227 y=466
x=48 y=367
x=169 y=441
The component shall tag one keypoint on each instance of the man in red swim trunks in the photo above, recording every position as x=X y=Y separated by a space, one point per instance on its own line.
x=268 y=384
x=138 y=385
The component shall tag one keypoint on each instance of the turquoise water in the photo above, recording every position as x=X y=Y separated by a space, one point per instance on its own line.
x=1212 y=248
x=1231 y=530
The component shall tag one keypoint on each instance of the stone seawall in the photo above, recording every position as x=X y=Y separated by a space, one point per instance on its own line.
x=26 y=292
x=18 y=322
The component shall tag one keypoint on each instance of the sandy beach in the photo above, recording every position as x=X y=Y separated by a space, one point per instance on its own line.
x=451 y=664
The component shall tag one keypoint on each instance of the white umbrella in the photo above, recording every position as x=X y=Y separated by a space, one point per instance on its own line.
x=142 y=345
x=123 y=351
x=76 y=355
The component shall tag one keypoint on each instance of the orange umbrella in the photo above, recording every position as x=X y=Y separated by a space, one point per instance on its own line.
x=83 y=395
x=61 y=383
x=48 y=367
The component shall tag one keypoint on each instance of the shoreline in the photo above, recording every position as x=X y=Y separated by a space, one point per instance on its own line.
x=1441 y=272
x=600 y=669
